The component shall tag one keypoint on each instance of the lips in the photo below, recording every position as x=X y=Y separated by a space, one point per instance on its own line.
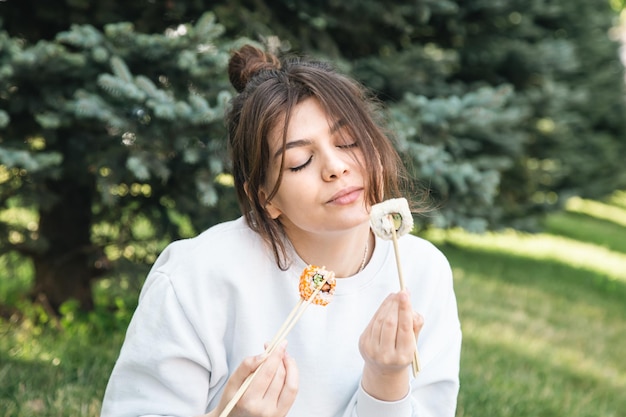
x=345 y=196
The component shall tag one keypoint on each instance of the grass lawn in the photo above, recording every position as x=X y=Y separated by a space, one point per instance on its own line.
x=543 y=315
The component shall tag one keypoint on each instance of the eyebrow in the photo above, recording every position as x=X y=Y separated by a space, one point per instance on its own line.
x=305 y=142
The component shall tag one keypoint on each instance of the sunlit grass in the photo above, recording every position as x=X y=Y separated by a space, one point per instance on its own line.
x=541 y=247
x=598 y=209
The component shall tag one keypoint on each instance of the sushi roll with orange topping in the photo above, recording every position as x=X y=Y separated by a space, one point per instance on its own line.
x=311 y=279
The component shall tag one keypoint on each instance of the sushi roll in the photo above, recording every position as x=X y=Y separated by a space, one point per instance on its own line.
x=401 y=218
x=311 y=279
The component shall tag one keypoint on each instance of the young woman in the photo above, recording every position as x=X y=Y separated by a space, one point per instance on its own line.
x=309 y=160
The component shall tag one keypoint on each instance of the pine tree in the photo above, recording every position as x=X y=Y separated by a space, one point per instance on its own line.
x=108 y=126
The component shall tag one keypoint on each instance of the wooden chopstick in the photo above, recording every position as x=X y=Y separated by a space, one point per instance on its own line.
x=416 y=361
x=284 y=326
x=282 y=333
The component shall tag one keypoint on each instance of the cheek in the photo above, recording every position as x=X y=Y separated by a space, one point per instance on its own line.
x=294 y=196
x=291 y=192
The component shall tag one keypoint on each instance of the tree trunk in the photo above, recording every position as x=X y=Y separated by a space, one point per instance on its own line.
x=64 y=270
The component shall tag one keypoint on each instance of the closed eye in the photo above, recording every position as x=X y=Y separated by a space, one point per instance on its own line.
x=348 y=145
x=301 y=167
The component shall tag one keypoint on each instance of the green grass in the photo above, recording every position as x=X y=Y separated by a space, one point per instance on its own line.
x=541 y=338
x=45 y=372
x=543 y=317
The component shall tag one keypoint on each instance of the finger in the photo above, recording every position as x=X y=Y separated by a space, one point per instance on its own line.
x=235 y=381
x=276 y=385
x=372 y=339
x=376 y=324
x=290 y=387
x=407 y=325
x=247 y=367
x=405 y=315
x=389 y=325
x=266 y=373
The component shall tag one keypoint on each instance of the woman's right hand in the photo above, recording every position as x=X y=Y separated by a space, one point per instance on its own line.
x=272 y=391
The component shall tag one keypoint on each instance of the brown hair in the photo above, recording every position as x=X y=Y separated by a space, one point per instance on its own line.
x=268 y=89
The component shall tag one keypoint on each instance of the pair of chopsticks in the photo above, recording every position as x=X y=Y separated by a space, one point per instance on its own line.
x=416 y=360
x=282 y=333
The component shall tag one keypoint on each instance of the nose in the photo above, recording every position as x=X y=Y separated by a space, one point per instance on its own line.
x=336 y=164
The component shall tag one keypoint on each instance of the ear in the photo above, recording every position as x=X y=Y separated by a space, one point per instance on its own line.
x=272 y=211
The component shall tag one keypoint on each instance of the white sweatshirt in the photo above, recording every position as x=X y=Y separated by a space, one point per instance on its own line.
x=213 y=300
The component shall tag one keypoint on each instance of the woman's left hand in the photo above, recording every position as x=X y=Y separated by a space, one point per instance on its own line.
x=387 y=345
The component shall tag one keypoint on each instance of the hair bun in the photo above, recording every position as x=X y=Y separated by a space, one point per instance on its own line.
x=246 y=62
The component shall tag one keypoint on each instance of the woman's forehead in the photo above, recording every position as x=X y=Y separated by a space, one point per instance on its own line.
x=306 y=117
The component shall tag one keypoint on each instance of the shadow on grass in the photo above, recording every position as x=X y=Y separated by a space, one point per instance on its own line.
x=19 y=375
x=549 y=275
x=587 y=228
x=39 y=388
x=48 y=372
x=26 y=385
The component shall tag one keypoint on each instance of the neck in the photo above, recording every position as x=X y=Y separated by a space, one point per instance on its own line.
x=345 y=253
